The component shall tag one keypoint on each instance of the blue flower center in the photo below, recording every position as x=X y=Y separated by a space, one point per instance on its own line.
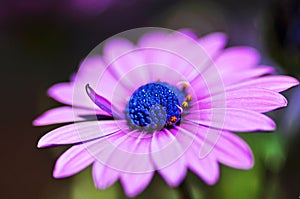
x=154 y=106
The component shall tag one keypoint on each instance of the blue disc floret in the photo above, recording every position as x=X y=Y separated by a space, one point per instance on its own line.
x=154 y=106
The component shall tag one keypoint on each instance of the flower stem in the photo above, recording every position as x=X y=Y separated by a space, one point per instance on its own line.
x=184 y=190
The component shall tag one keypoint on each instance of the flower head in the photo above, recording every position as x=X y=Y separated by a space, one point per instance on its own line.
x=167 y=103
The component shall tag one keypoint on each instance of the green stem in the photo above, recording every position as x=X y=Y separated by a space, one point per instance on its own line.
x=184 y=190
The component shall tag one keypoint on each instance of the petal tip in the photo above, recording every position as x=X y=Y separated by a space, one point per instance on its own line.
x=284 y=102
x=271 y=126
x=176 y=180
x=212 y=181
x=42 y=120
x=292 y=81
x=57 y=174
x=250 y=165
x=52 y=91
x=36 y=122
x=42 y=143
x=60 y=170
x=221 y=35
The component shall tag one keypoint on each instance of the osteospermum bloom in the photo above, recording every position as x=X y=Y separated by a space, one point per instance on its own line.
x=167 y=103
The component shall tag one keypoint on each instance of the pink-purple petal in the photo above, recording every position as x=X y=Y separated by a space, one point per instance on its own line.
x=94 y=71
x=233 y=151
x=130 y=152
x=213 y=43
x=62 y=92
x=90 y=70
x=174 y=173
x=235 y=58
x=213 y=144
x=214 y=80
x=116 y=48
x=199 y=156
x=232 y=119
x=223 y=146
x=165 y=149
x=72 y=161
x=153 y=39
x=149 y=65
x=74 y=93
x=233 y=77
x=56 y=116
x=104 y=176
x=135 y=183
x=65 y=114
x=120 y=55
x=206 y=168
x=276 y=83
x=167 y=154
x=80 y=132
x=185 y=48
x=255 y=99
x=66 y=94
x=158 y=63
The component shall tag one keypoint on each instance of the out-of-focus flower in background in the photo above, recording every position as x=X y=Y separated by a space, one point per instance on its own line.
x=92 y=7
x=166 y=104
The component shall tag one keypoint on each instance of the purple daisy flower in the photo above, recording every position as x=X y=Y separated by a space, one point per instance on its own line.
x=167 y=103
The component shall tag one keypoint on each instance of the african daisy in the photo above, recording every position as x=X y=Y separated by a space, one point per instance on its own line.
x=167 y=103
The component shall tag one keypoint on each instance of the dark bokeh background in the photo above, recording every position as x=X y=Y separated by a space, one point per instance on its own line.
x=42 y=43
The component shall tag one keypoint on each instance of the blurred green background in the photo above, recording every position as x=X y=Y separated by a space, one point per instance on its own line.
x=42 y=43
